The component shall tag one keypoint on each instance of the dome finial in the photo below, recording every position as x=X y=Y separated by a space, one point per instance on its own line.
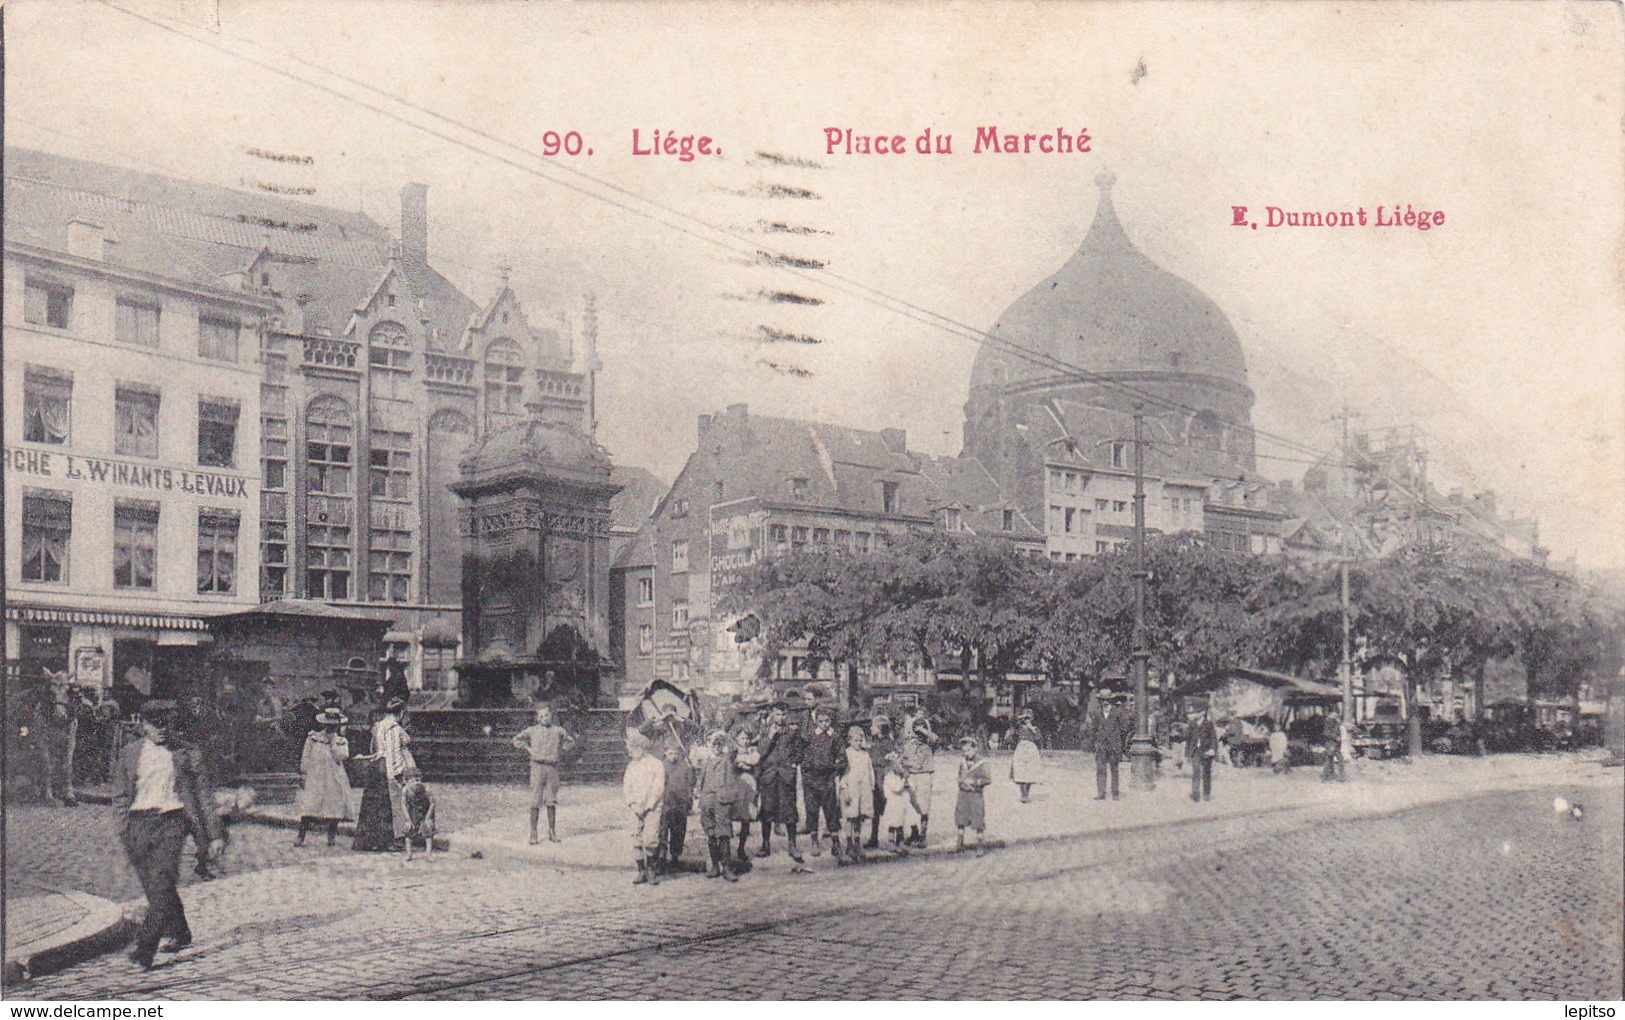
x=1104 y=181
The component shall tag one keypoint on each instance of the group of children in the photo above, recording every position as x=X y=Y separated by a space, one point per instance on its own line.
x=324 y=798
x=839 y=787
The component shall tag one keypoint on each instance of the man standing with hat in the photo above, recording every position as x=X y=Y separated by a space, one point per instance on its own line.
x=1111 y=736
x=1201 y=747
x=160 y=786
x=779 y=744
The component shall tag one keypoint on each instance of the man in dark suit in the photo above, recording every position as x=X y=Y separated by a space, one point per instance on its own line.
x=1201 y=747
x=161 y=787
x=1112 y=731
x=779 y=743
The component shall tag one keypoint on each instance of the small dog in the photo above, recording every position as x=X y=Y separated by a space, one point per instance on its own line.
x=419 y=811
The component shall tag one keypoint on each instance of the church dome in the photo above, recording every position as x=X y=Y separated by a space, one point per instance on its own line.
x=1110 y=310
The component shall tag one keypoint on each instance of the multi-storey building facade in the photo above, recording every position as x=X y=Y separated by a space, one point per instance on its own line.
x=370 y=374
x=756 y=486
x=132 y=399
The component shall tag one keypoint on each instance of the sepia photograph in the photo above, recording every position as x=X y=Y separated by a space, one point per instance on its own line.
x=856 y=501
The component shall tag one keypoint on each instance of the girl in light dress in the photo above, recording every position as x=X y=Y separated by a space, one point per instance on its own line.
x=856 y=790
x=900 y=815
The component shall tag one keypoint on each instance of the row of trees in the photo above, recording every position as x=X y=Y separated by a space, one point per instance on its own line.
x=951 y=600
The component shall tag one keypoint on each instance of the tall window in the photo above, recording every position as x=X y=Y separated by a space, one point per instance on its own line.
x=274 y=453
x=135 y=544
x=504 y=377
x=217 y=337
x=646 y=591
x=47 y=530
x=389 y=347
x=390 y=465
x=136 y=322
x=389 y=566
x=216 y=552
x=679 y=615
x=679 y=556
x=47 y=403
x=327 y=561
x=328 y=447
x=890 y=498
x=273 y=559
x=216 y=432
x=646 y=639
x=1009 y=520
x=1119 y=455
x=135 y=421
x=47 y=303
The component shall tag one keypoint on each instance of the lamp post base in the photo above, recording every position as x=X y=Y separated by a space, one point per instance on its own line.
x=1142 y=754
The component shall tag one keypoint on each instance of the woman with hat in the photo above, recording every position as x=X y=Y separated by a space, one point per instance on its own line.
x=382 y=822
x=1025 y=765
x=325 y=797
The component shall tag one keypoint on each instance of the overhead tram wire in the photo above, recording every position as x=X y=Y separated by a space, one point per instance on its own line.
x=851 y=287
x=823 y=276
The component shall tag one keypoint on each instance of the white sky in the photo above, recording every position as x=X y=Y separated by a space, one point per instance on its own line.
x=1500 y=334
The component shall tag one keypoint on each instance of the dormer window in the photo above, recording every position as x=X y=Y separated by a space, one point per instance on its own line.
x=391 y=300
x=1119 y=455
x=890 y=497
x=798 y=488
x=951 y=519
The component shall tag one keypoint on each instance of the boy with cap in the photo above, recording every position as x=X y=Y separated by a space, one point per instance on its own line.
x=718 y=794
x=919 y=764
x=160 y=787
x=779 y=744
x=644 y=789
x=546 y=744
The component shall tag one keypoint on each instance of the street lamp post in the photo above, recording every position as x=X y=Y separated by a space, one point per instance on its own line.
x=1142 y=750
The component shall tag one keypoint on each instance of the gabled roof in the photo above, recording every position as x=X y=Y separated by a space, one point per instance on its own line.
x=631 y=507
x=964 y=482
x=201 y=233
x=839 y=468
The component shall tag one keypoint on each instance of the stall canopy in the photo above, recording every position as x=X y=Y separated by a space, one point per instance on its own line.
x=1253 y=692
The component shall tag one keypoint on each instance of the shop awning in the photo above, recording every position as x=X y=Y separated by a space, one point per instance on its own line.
x=104 y=618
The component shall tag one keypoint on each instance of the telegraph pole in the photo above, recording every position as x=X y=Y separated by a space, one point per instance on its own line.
x=1345 y=670
x=1142 y=751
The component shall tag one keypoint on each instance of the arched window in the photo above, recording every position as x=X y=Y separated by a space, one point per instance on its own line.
x=389 y=347
x=329 y=446
x=504 y=377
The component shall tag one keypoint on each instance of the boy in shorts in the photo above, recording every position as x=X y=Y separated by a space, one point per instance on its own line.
x=546 y=744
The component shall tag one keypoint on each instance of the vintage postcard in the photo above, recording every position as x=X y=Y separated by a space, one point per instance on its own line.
x=851 y=501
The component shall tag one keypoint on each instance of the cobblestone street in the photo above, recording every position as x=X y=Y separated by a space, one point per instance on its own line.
x=1489 y=897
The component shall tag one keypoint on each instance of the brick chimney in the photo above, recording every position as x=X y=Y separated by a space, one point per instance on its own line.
x=415 y=235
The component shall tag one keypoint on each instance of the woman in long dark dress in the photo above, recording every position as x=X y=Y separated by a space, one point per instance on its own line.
x=381 y=822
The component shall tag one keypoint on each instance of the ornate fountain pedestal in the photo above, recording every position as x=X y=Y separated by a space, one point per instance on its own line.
x=535 y=523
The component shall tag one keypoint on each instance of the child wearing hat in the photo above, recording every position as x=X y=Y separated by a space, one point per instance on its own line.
x=970 y=811
x=324 y=799
x=717 y=793
x=644 y=789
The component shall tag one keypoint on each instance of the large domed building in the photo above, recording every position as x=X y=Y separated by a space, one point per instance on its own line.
x=1055 y=387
